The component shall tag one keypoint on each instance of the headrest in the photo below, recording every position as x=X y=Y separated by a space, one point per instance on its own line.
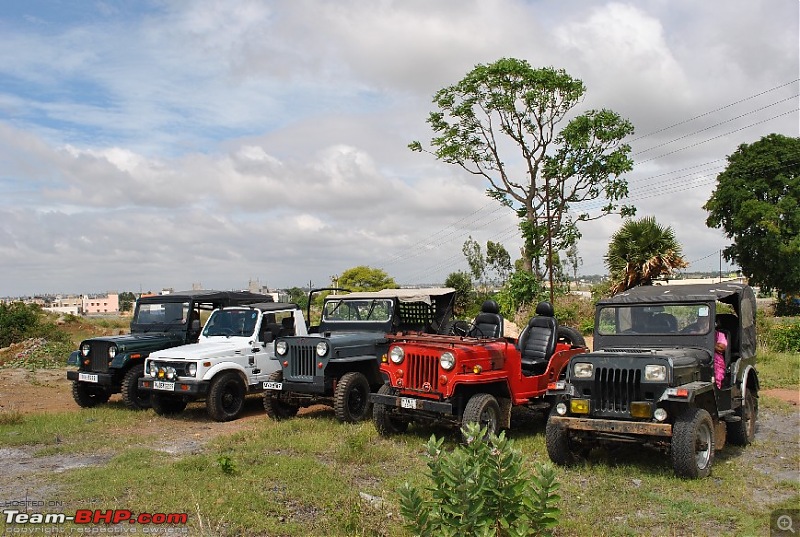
x=545 y=308
x=490 y=306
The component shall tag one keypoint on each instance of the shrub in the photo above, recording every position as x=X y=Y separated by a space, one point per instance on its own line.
x=18 y=321
x=481 y=488
x=780 y=335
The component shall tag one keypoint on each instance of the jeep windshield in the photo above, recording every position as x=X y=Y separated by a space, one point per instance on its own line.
x=160 y=313
x=231 y=322
x=375 y=310
x=654 y=319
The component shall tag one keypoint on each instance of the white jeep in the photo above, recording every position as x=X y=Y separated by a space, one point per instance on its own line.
x=232 y=358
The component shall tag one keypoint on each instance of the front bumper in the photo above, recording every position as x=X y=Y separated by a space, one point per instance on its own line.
x=179 y=387
x=99 y=379
x=612 y=426
x=409 y=404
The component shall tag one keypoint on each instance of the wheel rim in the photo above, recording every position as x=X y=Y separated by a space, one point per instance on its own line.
x=230 y=399
x=702 y=447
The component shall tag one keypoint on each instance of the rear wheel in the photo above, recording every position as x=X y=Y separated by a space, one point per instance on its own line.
x=87 y=395
x=226 y=397
x=483 y=409
x=131 y=395
x=743 y=432
x=385 y=423
x=693 y=443
x=275 y=407
x=167 y=406
x=351 y=398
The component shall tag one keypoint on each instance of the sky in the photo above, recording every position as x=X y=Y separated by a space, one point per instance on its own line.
x=147 y=144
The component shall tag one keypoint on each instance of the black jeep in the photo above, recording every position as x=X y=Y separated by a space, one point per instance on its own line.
x=338 y=363
x=650 y=378
x=114 y=364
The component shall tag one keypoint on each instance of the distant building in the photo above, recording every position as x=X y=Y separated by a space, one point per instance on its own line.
x=93 y=304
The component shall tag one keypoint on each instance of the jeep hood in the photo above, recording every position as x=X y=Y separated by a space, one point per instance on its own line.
x=136 y=342
x=219 y=347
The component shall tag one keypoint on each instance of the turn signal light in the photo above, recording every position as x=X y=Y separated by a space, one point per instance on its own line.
x=477 y=369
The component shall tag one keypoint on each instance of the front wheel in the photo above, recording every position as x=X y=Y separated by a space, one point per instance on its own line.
x=743 y=432
x=275 y=407
x=134 y=398
x=385 y=423
x=351 y=398
x=226 y=397
x=560 y=447
x=693 y=443
x=484 y=410
x=87 y=395
x=167 y=406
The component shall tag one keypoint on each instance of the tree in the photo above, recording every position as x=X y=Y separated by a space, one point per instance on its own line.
x=498 y=260
x=640 y=252
x=499 y=122
x=477 y=263
x=364 y=278
x=461 y=282
x=126 y=300
x=757 y=204
x=298 y=296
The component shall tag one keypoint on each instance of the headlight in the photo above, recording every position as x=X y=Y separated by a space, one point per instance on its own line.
x=447 y=361
x=582 y=370
x=655 y=372
x=192 y=369
x=153 y=369
x=170 y=373
x=280 y=348
x=396 y=355
x=112 y=351
x=85 y=348
x=322 y=348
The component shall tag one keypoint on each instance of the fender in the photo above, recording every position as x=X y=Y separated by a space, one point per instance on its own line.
x=224 y=367
x=750 y=372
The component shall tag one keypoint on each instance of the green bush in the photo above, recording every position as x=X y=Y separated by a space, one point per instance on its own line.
x=481 y=488
x=18 y=321
x=780 y=335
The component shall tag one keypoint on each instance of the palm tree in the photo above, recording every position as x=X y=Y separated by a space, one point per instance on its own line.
x=641 y=251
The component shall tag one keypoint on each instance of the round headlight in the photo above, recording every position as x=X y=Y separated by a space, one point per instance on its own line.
x=660 y=414
x=447 y=361
x=171 y=373
x=322 y=348
x=281 y=347
x=192 y=369
x=396 y=355
x=561 y=409
x=85 y=348
x=153 y=369
x=112 y=351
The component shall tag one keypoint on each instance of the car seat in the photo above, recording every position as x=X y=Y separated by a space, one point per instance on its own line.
x=537 y=343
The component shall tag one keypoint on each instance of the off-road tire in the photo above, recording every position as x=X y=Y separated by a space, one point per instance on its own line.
x=693 y=443
x=225 y=399
x=385 y=423
x=742 y=433
x=351 y=398
x=483 y=409
x=134 y=398
x=88 y=396
x=167 y=406
x=559 y=445
x=571 y=336
x=277 y=409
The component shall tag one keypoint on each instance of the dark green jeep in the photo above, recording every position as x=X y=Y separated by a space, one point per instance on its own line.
x=114 y=364
x=650 y=379
x=338 y=363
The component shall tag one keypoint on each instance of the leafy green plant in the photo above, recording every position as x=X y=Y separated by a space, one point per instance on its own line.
x=481 y=488
x=226 y=464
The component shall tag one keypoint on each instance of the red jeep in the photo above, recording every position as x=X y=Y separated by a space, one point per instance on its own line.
x=476 y=377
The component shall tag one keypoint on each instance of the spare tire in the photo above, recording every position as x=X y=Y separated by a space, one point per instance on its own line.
x=570 y=336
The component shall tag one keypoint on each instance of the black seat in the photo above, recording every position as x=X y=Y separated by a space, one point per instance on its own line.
x=537 y=343
x=287 y=326
x=489 y=322
x=663 y=323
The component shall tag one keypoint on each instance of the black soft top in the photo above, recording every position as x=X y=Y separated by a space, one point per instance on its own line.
x=208 y=296
x=270 y=306
x=740 y=296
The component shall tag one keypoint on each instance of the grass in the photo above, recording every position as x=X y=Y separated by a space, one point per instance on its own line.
x=314 y=476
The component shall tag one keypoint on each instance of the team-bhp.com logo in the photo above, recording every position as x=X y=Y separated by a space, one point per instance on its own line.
x=94 y=516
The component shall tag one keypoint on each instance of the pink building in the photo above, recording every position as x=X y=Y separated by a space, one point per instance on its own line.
x=100 y=304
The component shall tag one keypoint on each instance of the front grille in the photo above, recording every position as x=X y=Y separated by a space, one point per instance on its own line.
x=615 y=389
x=181 y=367
x=301 y=362
x=98 y=354
x=422 y=372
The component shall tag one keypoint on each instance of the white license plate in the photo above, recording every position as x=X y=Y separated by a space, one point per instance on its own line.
x=273 y=386
x=87 y=377
x=166 y=386
x=407 y=402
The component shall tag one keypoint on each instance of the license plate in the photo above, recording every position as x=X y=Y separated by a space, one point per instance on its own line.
x=167 y=386
x=273 y=386
x=87 y=377
x=407 y=402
